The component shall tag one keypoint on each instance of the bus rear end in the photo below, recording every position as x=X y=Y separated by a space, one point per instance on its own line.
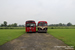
x=30 y=26
x=42 y=26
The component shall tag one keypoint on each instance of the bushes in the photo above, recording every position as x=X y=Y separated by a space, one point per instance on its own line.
x=52 y=27
x=61 y=27
x=49 y=27
x=12 y=27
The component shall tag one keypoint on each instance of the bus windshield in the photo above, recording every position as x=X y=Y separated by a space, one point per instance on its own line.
x=40 y=24
x=45 y=24
x=30 y=25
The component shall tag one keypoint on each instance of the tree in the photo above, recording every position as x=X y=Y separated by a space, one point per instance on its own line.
x=57 y=24
x=64 y=24
x=15 y=24
x=5 y=23
x=69 y=24
x=21 y=25
x=2 y=25
x=60 y=24
x=9 y=25
x=12 y=25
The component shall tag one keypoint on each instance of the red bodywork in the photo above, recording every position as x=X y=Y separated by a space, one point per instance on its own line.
x=30 y=28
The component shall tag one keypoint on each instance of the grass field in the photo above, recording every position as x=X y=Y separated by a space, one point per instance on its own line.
x=61 y=27
x=10 y=34
x=66 y=35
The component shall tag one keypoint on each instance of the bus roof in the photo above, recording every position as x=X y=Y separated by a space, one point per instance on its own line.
x=42 y=21
x=30 y=21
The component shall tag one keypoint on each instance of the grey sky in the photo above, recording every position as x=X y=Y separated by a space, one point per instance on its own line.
x=53 y=11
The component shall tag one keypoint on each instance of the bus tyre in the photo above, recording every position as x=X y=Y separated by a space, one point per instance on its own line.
x=45 y=32
x=38 y=31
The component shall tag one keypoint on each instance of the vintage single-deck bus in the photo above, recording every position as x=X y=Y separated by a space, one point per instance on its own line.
x=30 y=26
x=42 y=26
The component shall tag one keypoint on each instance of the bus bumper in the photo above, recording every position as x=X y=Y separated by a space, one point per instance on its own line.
x=42 y=30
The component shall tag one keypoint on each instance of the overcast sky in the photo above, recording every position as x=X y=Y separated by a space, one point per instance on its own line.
x=52 y=11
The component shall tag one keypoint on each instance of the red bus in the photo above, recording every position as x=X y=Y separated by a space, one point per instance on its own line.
x=42 y=26
x=30 y=26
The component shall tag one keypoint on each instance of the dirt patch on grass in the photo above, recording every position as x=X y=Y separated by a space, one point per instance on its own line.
x=35 y=41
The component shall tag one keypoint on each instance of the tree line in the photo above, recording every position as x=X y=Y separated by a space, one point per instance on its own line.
x=60 y=24
x=4 y=24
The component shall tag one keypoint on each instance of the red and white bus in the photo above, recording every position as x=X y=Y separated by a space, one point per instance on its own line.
x=42 y=26
x=30 y=26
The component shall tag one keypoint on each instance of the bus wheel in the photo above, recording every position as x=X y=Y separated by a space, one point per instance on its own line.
x=45 y=32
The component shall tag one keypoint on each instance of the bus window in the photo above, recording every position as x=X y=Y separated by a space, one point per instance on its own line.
x=40 y=24
x=45 y=24
x=30 y=25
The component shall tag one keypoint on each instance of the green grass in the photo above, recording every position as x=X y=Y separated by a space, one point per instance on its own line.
x=10 y=34
x=61 y=27
x=66 y=35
